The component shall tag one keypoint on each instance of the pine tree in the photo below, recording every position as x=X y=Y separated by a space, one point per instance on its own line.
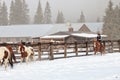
x=25 y=13
x=60 y=17
x=4 y=14
x=47 y=14
x=18 y=12
x=98 y=19
x=11 y=15
x=116 y=19
x=38 y=18
x=108 y=21
x=82 y=18
x=0 y=13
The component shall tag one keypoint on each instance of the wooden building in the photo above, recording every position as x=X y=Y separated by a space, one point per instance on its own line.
x=69 y=36
x=36 y=33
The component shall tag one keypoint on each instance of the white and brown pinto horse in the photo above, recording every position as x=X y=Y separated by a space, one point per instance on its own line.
x=27 y=53
x=5 y=57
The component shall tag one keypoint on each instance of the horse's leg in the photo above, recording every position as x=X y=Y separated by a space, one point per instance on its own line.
x=21 y=60
x=95 y=51
x=27 y=59
x=14 y=58
x=11 y=63
x=32 y=57
x=5 y=63
x=2 y=61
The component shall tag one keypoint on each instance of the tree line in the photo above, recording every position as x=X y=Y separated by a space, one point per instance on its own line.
x=111 y=26
x=19 y=14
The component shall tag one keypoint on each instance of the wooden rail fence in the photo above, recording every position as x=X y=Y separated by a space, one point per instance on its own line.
x=53 y=48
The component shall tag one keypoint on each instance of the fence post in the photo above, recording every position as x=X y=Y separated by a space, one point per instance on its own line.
x=112 y=47
x=119 y=44
x=65 y=50
x=39 y=51
x=51 y=51
x=86 y=47
x=104 y=45
x=76 y=49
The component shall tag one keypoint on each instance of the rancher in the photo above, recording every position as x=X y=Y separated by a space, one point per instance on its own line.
x=99 y=38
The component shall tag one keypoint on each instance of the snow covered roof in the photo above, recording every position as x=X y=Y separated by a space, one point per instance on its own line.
x=43 y=29
x=94 y=27
x=24 y=30
x=55 y=36
x=86 y=35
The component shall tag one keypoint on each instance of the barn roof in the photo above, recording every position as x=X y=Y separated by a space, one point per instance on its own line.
x=86 y=35
x=94 y=27
x=55 y=36
x=84 y=28
x=24 y=30
x=43 y=29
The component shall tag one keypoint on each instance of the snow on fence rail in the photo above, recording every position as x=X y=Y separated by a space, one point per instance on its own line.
x=51 y=49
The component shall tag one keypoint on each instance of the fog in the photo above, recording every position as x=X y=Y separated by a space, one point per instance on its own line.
x=72 y=8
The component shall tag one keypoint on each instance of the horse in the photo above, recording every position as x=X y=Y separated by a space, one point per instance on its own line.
x=26 y=52
x=6 y=56
x=11 y=52
x=98 y=47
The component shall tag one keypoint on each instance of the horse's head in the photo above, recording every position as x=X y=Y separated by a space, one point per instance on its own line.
x=21 y=48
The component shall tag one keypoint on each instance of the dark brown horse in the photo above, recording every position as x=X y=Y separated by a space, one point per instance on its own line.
x=98 y=47
x=11 y=52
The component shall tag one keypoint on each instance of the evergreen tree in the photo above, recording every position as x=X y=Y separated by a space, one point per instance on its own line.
x=82 y=18
x=11 y=15
x=0 y=13
x=4 y=14
x=60 y=17
x=25 y=13
x=116 y=19
x=108 y=21
x=38 y=18
x=98 y=19
x=47 y=14
x=18 y=10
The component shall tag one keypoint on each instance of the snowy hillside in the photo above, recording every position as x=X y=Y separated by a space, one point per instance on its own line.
x=92 y=67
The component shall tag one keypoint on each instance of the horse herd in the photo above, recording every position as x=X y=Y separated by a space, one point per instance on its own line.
x=7 y=55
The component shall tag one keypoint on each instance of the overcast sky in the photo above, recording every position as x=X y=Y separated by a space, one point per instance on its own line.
x=72 y=8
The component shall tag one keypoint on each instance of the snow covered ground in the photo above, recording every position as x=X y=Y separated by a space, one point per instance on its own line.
x=92 y=67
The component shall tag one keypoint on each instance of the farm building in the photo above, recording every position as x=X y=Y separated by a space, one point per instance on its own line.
x=82 y=34
x=28 y=33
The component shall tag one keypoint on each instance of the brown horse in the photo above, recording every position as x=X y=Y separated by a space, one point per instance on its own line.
x=11 y=52
x=98 y=47
x=26 y=52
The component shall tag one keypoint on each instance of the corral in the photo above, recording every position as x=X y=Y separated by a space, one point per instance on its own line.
x=51 y=49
